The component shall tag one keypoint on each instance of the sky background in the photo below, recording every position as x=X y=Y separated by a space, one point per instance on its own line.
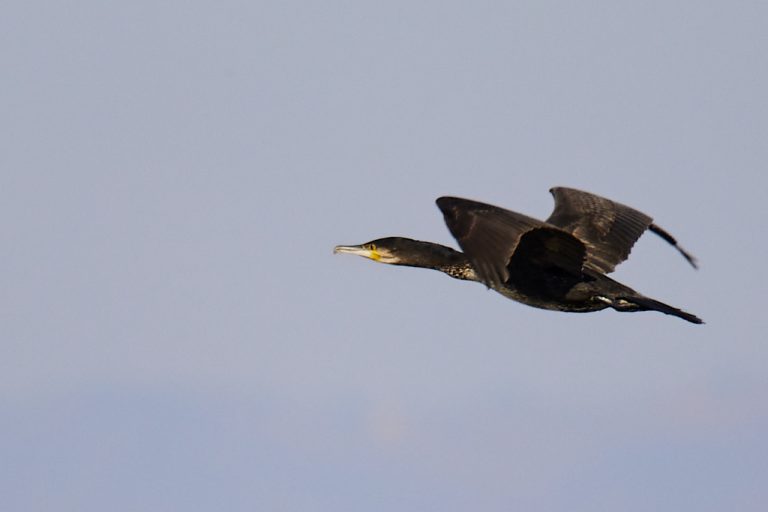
x=177 y=335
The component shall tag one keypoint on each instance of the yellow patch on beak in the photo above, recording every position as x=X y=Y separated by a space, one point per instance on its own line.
x=367 y=251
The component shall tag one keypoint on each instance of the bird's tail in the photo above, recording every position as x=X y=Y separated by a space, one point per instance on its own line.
x=641 y=303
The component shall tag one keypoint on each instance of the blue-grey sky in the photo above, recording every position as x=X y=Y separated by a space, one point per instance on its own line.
x=176 y=334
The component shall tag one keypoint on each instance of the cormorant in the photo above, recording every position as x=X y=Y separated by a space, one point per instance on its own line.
x=558 y=264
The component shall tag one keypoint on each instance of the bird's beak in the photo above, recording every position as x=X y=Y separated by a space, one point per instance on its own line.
x=347 y=249
x=357 y=250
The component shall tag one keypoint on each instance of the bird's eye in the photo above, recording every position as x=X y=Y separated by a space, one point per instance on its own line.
x=372 y=247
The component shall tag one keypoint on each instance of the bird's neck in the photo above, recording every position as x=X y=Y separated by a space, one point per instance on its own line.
x=444 y=259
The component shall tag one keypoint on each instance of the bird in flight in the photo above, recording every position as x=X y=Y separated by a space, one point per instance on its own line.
x=558 y=264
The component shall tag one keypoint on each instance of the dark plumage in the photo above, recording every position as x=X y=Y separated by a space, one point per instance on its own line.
x=557 y=264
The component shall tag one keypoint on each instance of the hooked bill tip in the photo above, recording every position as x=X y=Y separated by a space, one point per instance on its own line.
x=345 y=249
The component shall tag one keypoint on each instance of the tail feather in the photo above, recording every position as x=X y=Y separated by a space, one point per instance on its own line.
x=641 y=303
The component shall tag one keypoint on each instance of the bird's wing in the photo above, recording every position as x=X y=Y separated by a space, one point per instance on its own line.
x=609 y=229
x=490 y=235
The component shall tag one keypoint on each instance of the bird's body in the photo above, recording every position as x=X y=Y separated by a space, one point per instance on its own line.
x=558 y=264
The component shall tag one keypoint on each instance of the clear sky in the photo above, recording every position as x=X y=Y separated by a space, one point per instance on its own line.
x=177 y=335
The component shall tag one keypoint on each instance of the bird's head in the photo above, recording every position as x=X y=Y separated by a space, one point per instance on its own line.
x=393 y=250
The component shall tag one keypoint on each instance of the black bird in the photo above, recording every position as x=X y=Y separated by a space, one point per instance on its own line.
x=559 y=264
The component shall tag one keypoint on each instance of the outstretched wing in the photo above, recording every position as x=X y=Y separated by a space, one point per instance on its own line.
x=609 y=229
x=490 y=235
